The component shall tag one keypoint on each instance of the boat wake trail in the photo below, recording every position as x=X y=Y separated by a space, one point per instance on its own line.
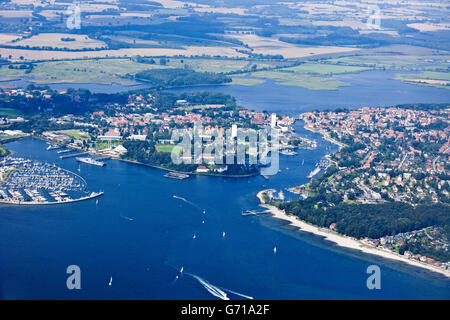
x=187 y=201
x=126 y=218
x=216 y=290
x=239 y=294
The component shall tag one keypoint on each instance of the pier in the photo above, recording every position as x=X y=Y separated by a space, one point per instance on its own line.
x=252 y=213
x=73 y=155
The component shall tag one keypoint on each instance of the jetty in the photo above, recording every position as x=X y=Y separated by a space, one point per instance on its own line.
x=73 y=155
x=246 y=213
x=64 y=151
x=53 y=147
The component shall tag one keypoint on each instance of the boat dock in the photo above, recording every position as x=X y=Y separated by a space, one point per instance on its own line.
x=53 y=147
x=64 y=151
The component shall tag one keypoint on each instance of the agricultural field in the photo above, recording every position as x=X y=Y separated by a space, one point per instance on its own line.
x=395 y=62
x=102 y=71
x=273 y=46
x=107 y=71
x=7 y=38
x=429 y=78
x=59 y=40
x=19 y=55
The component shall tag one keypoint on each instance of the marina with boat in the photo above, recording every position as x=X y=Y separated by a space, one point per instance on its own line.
x=28 y=182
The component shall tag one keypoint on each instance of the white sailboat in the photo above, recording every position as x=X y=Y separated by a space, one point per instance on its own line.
x=275 y=250
x=110 y=282
x=223 y=234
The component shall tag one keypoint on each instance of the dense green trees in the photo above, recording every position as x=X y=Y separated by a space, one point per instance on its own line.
x=370 y=220
x=180 y=77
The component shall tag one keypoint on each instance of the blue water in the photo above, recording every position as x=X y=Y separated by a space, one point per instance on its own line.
x=369 y=88
x=141 y=236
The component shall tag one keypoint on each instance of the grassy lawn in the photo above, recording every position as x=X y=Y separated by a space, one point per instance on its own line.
x=102 y=145
x=6 y=137
x=9 y=112
x=167 y=148
x=76 y=134
x=3 y=151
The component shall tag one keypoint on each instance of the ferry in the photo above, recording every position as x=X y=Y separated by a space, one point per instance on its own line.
x=91 y=161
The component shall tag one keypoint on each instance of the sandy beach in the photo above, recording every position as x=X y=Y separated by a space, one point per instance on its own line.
x=342 y=240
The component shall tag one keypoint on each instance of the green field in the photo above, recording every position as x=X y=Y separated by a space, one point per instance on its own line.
x=245 y=81
x=101 y=71
x=434 y=75
x=107 y=71
x=396 y=62
x=299 y=79
x=325 y=69
x=167 y=148
x=76 y=134
x=3 y=151
x=9 y=112
x=102 y=145
x=427 y=78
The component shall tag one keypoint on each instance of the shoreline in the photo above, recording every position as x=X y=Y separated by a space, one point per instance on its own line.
x=149 y=165
x=341 y=240
x=35 y=203
x=324 y=136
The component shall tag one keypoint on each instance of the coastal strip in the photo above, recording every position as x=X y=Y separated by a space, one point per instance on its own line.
x=340 y=240
x=36 y=203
